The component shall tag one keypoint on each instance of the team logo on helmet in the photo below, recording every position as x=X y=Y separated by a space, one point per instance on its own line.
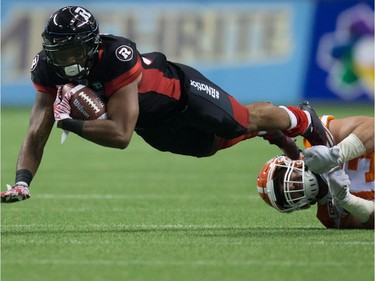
x=35 y=62
x=81 y=14
x=124 y=53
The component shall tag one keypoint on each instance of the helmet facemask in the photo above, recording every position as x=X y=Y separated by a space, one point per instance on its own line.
x=290 y=186
x=73 y=60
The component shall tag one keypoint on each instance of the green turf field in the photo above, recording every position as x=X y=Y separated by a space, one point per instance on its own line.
x=98 y=214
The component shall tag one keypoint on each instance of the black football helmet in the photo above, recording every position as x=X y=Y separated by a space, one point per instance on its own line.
x=71 y=41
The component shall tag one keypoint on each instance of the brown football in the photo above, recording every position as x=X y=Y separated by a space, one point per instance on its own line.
x=85 y=103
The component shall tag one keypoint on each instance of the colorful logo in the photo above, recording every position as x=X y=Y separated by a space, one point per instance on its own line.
x=347 y=54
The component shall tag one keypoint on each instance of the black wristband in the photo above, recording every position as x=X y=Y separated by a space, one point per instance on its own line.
x=24 y=175
x=72 y=125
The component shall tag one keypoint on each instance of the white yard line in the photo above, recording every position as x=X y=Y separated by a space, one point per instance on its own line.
x=208 y=262
x=86 y=196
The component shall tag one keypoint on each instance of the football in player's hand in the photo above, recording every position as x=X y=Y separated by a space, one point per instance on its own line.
x=85 y=103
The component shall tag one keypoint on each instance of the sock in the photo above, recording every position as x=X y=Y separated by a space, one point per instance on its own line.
x=299 y=119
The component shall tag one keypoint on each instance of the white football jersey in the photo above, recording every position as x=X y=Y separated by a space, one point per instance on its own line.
x=360 y=171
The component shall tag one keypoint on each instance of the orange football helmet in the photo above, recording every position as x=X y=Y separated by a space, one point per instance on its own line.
x=287 y=185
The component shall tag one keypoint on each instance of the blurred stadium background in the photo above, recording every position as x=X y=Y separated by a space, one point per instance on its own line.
x=186 y=218
x=258 y=50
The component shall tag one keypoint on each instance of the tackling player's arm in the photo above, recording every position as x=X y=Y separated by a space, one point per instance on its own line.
x=353 y=222
x=344 y=221
x=361 y=126
x=122 y=113
x=354 y=136
x=361 y=210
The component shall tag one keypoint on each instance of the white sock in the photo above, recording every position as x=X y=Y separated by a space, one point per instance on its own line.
x=292 y=117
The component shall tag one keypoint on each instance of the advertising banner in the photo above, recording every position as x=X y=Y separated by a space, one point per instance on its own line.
x=341 y=65
x=255 y=50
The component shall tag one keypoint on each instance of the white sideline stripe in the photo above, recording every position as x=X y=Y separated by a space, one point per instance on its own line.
x=183 y=263
x=133 y=197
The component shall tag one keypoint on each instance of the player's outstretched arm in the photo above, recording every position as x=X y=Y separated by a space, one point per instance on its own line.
x=361 y=126
x=354 y=136
x=30 y=155
x=361 y=210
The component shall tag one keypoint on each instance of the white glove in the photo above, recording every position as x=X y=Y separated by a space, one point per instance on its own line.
x=338 y=184
x=321 y=159
x=61 y=110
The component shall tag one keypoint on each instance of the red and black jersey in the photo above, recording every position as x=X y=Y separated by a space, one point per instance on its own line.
x=119 y=64
x=180 y=110
x=162 y=92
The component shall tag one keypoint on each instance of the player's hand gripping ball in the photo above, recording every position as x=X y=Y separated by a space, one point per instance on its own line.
x=85 y=103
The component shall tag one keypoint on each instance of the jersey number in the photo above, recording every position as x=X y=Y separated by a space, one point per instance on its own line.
x=369 y=175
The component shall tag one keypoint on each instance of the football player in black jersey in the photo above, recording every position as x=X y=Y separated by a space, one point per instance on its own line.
x=172 y=106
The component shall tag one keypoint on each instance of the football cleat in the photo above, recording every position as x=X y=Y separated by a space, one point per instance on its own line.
x=316 y=133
